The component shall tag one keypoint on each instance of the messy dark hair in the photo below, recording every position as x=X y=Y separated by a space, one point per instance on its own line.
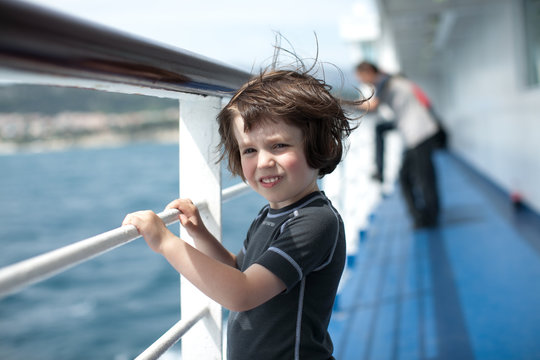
x=299 y=99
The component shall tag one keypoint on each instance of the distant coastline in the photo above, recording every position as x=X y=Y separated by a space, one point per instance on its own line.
x=35 y=132
x=36 y=118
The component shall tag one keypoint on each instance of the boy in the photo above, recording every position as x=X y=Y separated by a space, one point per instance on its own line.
x=280 y=132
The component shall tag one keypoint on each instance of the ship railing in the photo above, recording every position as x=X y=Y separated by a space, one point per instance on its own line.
x=40 y=46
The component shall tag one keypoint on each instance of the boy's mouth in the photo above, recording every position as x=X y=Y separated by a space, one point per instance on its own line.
x=270 y=181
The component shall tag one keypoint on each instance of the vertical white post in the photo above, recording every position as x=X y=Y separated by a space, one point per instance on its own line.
x=200 y=180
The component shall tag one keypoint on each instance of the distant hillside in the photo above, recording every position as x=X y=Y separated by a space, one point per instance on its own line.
x=52 y=100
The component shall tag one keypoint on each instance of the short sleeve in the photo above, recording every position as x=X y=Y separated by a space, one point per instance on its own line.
x=240 y=257
x=305 y=244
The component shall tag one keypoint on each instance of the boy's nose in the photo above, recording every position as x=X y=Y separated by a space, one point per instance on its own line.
x=266 y=160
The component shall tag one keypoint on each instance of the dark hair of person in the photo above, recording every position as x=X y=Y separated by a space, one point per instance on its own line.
x=297 y=98
x=367 y=66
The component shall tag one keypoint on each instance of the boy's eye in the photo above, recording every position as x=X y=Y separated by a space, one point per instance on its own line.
x=280 y=146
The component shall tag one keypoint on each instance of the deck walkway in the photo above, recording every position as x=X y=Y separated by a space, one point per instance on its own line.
x=467 y=290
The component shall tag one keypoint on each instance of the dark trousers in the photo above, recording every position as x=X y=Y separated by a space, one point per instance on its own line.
x=380 y=129
x=419 y=184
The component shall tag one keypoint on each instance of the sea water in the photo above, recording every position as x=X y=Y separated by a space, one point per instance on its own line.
x=116 y=305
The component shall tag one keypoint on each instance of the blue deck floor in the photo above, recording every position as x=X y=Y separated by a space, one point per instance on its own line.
x=467 y=290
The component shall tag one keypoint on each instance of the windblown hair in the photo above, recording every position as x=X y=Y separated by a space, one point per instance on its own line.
x=297 y=98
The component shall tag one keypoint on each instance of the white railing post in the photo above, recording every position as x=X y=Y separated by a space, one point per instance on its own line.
x=200 y=178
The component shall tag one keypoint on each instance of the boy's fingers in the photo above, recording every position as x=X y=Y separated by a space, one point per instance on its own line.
x=131 y=219
x=184 y=205
x=173 y=204
x=136 y=217
x=183 y=219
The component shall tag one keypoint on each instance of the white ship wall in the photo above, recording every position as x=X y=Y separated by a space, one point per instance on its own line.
x=481 y=91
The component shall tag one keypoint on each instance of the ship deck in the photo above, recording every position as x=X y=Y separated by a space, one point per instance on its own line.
x=469 y=289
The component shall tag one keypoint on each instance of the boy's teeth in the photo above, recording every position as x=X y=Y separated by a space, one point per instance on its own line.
x=270 y=180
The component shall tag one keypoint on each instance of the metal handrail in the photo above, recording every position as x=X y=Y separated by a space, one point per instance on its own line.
x=39 y=45
x=37 y=40
x=172 y=336
x=234 y=191
x=19 y=275
x=22 y=274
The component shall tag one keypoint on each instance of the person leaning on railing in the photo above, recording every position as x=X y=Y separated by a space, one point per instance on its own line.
x=280 y=132
x=419 y=131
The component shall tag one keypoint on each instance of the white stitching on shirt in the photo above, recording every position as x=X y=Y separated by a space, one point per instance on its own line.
x=296 y=208
x=299 y=319
x=261 y=213
x=283 y=226
x=288 y=258
x=295 y=214
x=335 y=241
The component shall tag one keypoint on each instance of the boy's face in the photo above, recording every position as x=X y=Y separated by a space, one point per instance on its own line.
x=274 y=163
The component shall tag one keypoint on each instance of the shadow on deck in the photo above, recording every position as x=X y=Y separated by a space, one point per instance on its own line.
x=469 y=289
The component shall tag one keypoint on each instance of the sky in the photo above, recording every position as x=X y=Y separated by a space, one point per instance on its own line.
x=238 y=32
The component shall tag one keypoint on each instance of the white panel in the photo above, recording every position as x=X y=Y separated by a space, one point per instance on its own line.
x=200 y=178
x=493 y=118
x=479 y=89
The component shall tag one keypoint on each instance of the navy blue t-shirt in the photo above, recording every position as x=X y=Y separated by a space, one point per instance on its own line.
x=304 y=245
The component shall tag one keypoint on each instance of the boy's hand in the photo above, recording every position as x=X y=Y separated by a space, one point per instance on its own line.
x=151 y=227
x=189 y=217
